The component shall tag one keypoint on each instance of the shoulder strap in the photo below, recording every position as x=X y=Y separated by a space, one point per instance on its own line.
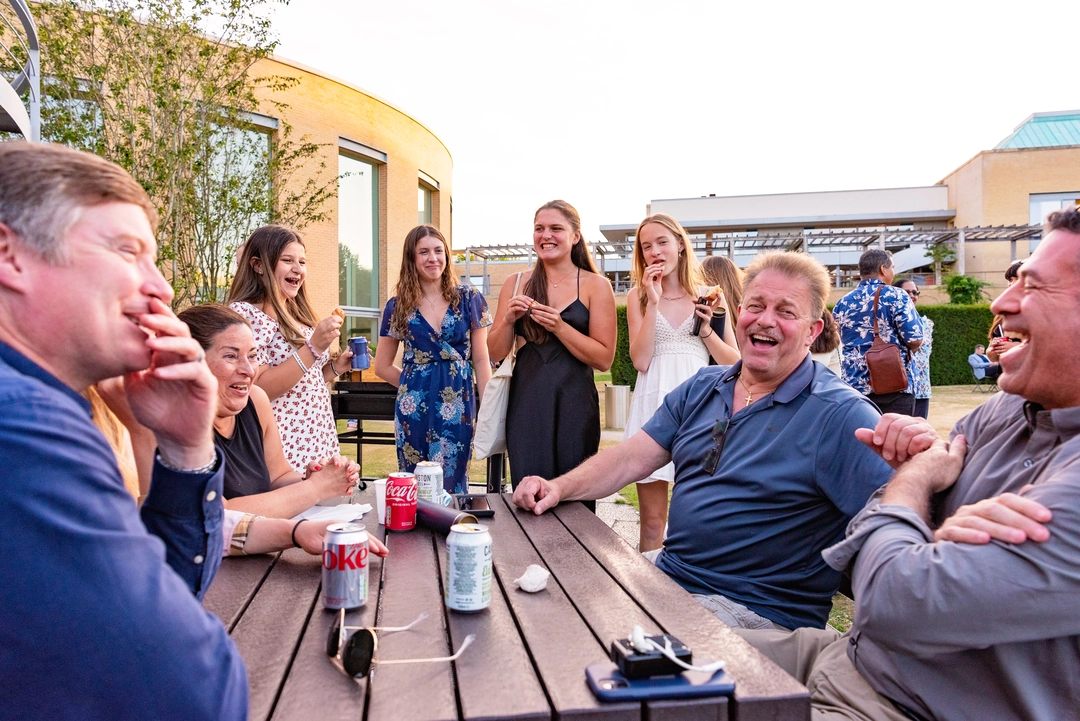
x=876 y=296
x=517 y=281
x=579 y=282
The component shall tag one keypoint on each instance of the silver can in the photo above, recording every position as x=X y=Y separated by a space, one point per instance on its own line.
x=429 y=481
x=345 y=566
x=468 y=568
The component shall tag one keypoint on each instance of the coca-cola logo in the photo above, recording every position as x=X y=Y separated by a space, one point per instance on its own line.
x=404 y=492
x=343 y=558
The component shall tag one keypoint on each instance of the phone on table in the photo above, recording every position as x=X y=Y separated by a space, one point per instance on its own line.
x=476 y=505
x=608 y=684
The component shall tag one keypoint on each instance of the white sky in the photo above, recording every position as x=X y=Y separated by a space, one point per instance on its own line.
x=612 y=103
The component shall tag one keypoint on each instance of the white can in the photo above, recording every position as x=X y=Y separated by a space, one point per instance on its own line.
x=467 y=582
x=429 y=481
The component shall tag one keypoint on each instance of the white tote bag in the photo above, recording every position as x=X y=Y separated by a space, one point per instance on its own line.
x=490 y=435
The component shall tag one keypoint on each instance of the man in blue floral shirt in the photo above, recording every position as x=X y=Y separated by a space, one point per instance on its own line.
x=898 y=323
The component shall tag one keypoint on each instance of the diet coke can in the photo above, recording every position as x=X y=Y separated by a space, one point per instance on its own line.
x=345 y=566
x=429 y=481
x=468 y=568
x=401 y=501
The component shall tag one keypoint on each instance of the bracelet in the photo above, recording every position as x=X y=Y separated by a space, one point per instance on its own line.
x=296 y=357
x=201 y=469
x=711 y=331
x=310 y=347
x=294 y=543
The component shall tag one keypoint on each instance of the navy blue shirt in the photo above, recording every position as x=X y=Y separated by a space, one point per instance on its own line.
x=98 y=618
x=791 y=476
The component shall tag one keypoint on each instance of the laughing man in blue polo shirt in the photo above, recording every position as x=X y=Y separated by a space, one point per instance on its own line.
x=768 y=471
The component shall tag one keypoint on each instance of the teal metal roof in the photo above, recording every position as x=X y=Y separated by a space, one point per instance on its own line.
x=1045 y=130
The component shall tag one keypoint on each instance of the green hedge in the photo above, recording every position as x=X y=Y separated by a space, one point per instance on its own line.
x=957 y=330
x=623 y=372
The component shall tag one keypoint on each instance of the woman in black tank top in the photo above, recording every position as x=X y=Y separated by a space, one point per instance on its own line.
x=258 y=479
x=565 y=314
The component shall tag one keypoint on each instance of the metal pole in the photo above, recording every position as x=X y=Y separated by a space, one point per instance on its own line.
x=731 y=248
x=468 y=275
x=960 y=252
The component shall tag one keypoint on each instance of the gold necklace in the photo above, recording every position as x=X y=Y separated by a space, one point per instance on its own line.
x=556 y=285
x=750 y=394
x=434 y=308
x=678 y=297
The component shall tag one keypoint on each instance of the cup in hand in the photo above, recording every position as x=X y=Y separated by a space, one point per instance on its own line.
x=380 y=500
x=361 y=358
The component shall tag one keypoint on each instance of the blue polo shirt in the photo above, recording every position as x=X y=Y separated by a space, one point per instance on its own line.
x=791 y=476
x=99 y=618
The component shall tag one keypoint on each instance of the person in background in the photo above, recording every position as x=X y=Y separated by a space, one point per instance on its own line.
x=258 y=479
x=293 y=347
x=999 y=342
x=445 y=367
x=919 y=379
x=826 y=347
x=99 y=608
x=667 y=352
x=981 y=365
x=722 y=271
x=565 y=313
x=897 y=323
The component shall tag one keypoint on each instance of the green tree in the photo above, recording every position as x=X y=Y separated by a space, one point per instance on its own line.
x=165 y=89
x=940 y=254
x=965 y=290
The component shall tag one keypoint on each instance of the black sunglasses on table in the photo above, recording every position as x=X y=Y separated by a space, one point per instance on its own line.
x=354 y=654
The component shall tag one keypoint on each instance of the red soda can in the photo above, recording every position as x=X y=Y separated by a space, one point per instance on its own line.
x=401 y=490
x=345 y=566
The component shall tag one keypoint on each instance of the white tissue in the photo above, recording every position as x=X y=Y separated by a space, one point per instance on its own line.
x=534 y=579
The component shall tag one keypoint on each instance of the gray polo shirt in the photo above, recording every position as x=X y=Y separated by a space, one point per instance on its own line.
x=957 y=631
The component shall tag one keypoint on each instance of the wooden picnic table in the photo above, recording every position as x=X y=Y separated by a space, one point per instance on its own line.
x=531 y=650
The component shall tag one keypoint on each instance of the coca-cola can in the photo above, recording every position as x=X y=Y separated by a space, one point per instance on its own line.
x=401 y=501
x=467 y=585
x=429 y=481
x=345 y=566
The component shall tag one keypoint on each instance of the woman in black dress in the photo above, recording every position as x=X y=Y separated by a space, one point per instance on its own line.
x=563 y=320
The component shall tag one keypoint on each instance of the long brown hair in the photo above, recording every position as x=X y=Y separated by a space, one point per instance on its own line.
x=689 y=272
x=537 y=288
x=722 y=271
x=267 y=244
x=408 y=290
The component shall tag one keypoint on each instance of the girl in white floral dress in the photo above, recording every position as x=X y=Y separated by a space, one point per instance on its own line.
x=293 y=346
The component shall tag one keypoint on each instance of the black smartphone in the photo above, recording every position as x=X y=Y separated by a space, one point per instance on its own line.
x=476 y=505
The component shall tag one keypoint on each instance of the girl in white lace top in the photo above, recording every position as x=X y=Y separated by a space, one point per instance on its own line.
x=660 y=312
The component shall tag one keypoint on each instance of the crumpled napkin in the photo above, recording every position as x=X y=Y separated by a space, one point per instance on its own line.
x=534 y=579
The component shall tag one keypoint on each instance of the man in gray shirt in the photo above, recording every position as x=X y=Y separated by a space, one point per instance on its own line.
x=968 y=603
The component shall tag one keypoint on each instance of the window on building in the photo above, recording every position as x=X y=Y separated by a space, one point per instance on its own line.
x=423 y=206
x=358 y=245
x=1041 y=205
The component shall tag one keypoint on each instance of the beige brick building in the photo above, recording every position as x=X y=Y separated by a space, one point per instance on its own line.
x=400 y=174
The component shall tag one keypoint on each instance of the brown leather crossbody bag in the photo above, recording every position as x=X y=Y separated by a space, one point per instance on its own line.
x=883 y=360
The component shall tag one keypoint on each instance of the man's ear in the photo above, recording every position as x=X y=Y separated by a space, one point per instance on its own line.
x=12 y=253
x=815 y=330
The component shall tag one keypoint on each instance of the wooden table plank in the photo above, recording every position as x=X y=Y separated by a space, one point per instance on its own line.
x=495 y=673
x=268 y=632
x=411 y=584
x=605 y=605
x=315 y=687
x=236 y=583
x=762 y=689
x=559 y=641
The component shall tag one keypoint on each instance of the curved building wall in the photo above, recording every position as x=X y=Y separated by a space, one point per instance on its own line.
x=360 y=131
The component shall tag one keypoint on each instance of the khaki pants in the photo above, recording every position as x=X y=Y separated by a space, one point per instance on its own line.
x=818 y=659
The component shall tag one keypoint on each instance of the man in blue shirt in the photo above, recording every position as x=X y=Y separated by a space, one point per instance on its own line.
x=981 y=366
x=99 y=618
x=767 y=467
x=898 y=323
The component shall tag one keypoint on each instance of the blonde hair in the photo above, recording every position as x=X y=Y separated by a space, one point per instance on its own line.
x=794 y=265
x=689 y=271
x=119 y=440
x=267 y=245
x=408 y=291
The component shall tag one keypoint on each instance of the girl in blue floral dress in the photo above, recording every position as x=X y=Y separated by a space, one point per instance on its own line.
x=445 y=366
